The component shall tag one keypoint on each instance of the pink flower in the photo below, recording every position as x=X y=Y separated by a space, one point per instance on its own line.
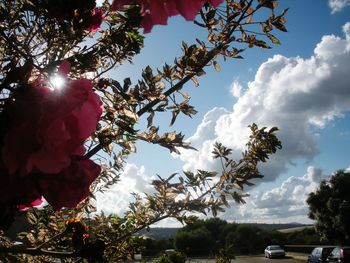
x=34 y=203
x=156 y=12
x=16 y=189
x=95 y=20
x=71 y=186
x=43 y=143
x=64 y=189
x=49 y=127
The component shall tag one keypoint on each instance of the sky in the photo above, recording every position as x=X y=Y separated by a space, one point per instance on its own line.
x=301 y=86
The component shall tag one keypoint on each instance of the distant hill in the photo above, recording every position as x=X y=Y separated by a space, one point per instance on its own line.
x=159 y=232
x=295 y=229
x=166 y=233
x=278 y=226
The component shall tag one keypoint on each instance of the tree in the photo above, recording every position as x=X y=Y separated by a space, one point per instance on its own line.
x=307 y=236
x=202 y=237
x=172 y=257
x=58 y=109
x=215 y=226
x=246 y=239
x=329 y=206
x=196 y=242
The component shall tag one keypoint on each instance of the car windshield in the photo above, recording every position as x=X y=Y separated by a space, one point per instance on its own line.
x=275 y=248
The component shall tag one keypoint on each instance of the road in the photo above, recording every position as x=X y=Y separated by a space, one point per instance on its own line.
x=255 y=259
x=265 y=260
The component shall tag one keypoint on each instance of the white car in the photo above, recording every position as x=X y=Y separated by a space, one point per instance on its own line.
x=274 y=252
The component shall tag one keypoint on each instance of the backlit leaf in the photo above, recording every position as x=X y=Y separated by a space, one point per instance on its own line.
x=274 y=39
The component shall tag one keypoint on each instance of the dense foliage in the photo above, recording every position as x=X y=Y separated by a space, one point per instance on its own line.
x=230 y=239
x=59 y=108
x=330 y=207
x=214 y=237
x=172 y=257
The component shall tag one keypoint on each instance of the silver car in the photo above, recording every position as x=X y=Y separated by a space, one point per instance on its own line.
x=274 y=252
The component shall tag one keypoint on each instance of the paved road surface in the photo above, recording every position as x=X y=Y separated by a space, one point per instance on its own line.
x=256 y=259
x=265 y=260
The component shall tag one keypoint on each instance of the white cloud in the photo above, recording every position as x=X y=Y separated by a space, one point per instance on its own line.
x=294 y=94
x=203 y=140
x=284 y=204
x=236 y=89
x=116 y=199
x=338 y=5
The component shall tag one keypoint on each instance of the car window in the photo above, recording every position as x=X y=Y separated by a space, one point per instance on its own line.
x=332 y=253
x=336 y=252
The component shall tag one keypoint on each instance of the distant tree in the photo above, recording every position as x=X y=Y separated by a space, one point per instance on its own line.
x=330 y=207
x=194 y=242
x=215 y=226
x=270 y=237
x=153 y=247
x=246 y=240
x=307 y=236
x=227 y=230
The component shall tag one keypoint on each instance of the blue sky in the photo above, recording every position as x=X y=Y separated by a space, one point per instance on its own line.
x=301 y=86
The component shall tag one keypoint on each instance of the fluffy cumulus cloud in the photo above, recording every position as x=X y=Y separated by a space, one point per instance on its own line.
x=286 y=203
x=293 y=93
x=338 y=5
x=116 y=199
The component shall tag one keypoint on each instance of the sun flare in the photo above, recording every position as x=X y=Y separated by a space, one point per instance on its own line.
x=57 y=82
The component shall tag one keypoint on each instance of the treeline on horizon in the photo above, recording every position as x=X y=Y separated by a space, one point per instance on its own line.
x=213 y=236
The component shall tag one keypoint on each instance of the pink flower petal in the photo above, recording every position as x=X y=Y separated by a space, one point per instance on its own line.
x=36 y=202
x=64 y=68
x=71 y=186
x=48 y=128
x=96 y=20
x=215 y=3
x=156 y=12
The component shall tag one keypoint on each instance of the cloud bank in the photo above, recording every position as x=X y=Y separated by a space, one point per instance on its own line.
x=283 y=204
x=338 y=5
x=298 y=95
x=116 y=199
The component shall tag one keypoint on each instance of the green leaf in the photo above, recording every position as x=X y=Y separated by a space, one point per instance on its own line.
x=274 y=39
